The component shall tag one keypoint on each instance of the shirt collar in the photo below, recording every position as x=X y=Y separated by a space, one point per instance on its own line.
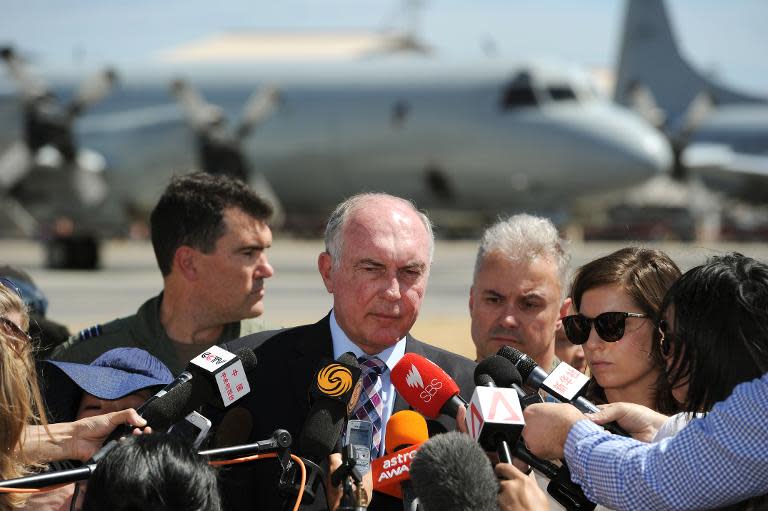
x=342 y=344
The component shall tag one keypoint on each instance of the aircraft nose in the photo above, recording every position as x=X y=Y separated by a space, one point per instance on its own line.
x=652 y=150
x=627 y=143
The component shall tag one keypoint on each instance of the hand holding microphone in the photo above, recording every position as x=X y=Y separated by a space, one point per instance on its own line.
x=216 y=377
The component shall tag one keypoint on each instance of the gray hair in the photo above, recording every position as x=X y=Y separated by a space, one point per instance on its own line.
x=334 y=241
x=523 y=238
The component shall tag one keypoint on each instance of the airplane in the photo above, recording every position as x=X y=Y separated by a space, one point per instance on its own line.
x=717 y=134
x=465 y=149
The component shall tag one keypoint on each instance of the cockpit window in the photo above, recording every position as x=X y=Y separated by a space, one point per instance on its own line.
x=515 y=97
x=519 y=92
x=561 y=93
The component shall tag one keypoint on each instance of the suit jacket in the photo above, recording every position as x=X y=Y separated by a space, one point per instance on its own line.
x=287 y=363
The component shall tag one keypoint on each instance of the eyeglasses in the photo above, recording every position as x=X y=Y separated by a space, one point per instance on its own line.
x=608 y=325
x=15 y=333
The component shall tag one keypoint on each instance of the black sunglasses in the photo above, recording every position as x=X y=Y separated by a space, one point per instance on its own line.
x=608 y=325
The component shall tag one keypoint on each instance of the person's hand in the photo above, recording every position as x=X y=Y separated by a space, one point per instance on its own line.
x=519 y=491
x=78 y=440
x=547 y=426
x=88 y=435
x=637 y=420
x=461 y=420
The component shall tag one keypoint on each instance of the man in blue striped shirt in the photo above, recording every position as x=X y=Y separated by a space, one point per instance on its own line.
x=716 y=460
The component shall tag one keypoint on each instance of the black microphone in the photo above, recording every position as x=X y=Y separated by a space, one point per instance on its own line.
x=451 y=472
x=505 y=374
x=560 y=487
x=335 y=391
x=215 y=377
x=564 y=383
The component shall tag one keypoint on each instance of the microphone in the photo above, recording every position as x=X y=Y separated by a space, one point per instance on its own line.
x=215 y=377
x=335 y=391
x=495 y=417
x=406 y=431
x=505 y=374
x=452 y=472
x=426 y=387
x=565 y=383
x=211 y=365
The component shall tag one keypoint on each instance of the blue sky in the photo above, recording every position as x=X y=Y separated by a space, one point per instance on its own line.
x=728 y=38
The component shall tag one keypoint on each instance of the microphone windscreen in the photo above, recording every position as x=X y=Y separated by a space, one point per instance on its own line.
x=500 y=369
x=325 y=421
x=524 y=364
x=423 y=384
x=405 y=428
x=451 y=471
x=248 y=358
x=164 y=412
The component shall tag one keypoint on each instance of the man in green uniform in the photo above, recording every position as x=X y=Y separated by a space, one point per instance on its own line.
x=210 y=237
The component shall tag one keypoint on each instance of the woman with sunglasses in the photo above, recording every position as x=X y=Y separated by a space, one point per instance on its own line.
x=617 y=298
x=713 y=336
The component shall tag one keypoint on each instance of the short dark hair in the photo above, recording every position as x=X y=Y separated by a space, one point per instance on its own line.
x=191 y=211
x=645 y=275
x=158 y=472
x=719 y=313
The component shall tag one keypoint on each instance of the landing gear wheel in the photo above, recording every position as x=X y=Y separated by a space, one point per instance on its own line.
x=78 y=252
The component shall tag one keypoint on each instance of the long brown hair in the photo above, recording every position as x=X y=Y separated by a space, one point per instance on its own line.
x=645 y=275
x=20 y=401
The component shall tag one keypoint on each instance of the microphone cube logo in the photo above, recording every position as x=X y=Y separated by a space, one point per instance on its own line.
x=232 y=383
x=213 y=358
x=338 y=381
x=492 y=406
x=565 y=382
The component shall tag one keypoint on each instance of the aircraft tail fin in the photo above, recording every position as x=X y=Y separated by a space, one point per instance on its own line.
x=650 y=57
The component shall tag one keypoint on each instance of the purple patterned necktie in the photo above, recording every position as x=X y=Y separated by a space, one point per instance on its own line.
x=370 y=406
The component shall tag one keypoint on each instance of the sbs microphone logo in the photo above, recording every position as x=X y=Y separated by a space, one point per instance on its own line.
x=413 y=378
x=334 y=380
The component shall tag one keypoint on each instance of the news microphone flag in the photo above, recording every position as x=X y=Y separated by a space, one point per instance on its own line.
x=228 y=372
x=494 y=412
x=425 y=386
x=406 y=431
x=565 y=383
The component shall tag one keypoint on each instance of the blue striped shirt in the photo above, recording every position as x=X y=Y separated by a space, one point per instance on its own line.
x=716 y=460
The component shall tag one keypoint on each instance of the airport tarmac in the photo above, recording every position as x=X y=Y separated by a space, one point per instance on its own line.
x=295 y=295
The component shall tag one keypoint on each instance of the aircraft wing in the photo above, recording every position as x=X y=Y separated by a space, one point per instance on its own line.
x=248 y=46
x=720 y=158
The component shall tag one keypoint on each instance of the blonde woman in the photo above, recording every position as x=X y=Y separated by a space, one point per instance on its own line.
x=26 y=440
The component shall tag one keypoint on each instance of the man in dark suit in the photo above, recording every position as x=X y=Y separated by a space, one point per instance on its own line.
x=376 y=265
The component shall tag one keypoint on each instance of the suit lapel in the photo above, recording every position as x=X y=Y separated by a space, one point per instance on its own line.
x=314 y=345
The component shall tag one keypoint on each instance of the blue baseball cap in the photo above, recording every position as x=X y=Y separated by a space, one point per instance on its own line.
x=117 y=373
x=21 y=283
